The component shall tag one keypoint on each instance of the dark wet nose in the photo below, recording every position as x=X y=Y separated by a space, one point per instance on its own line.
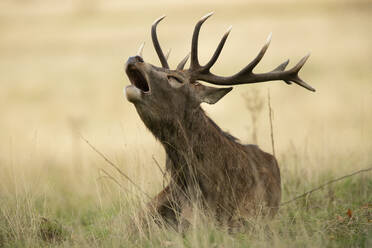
x=134 y=59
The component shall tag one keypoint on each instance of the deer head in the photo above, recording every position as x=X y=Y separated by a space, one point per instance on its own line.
x=160 y=91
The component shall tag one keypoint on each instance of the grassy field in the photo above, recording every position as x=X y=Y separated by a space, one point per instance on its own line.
x=61 y=77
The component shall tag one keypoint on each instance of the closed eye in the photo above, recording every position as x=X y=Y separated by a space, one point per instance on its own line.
x=175 y=79
x=175 y=82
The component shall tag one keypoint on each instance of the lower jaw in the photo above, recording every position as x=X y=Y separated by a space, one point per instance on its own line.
x=132 y=93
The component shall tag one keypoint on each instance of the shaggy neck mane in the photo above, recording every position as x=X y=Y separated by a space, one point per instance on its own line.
x=191 y=139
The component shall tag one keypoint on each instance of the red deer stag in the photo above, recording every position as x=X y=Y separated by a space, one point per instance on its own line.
x=207 y=166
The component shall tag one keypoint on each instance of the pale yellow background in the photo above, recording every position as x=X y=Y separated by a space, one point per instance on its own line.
x=61 y=76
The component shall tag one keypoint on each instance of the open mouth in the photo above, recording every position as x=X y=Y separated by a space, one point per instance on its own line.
x=137 y=79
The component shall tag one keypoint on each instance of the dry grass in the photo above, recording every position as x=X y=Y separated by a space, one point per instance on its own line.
x=61 y=71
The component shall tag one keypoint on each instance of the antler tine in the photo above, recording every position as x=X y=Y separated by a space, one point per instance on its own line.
x=155 y=41
x=218 y=50
x=249 y=68
x=194 y=61
x=181 y=65
x=140 y=50
x=282 y=67
x=301 y=63
x=295 y=78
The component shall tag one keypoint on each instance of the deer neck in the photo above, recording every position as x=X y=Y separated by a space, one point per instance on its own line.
x=188 y=138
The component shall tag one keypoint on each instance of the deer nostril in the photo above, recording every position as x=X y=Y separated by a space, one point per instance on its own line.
x=138 y=58
x=134 y=59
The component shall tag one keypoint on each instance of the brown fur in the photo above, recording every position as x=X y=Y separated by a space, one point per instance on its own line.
x=230 y=180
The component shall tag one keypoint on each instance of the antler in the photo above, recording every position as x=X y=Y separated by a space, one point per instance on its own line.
x=140 y=49
x=159 y=51
x=155 y=41
x=246 y=75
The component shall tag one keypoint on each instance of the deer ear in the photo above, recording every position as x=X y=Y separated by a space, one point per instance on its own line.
x=211 y=95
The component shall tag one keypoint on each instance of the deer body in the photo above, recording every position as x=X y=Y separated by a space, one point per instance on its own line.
x=228 y=180
x=207 y=166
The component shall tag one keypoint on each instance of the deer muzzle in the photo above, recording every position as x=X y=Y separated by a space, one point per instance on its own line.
x=139 y=84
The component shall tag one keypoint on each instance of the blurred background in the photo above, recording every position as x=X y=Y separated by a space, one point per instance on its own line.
x=62 y=75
